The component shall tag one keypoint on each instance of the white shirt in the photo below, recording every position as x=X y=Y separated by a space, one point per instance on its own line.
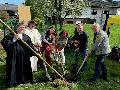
x=34 y=35
x=19 y=35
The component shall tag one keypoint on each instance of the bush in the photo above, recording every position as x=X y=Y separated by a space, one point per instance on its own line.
x=115 y=54
x=4 y=15
x=1 y=26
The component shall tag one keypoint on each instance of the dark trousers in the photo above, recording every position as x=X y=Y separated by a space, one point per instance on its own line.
x=100 y=66
x=77 y=53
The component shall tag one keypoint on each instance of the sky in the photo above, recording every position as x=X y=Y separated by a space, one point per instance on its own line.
x=18 y=2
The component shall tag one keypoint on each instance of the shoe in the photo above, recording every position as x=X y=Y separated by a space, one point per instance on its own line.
x=104 y=78
x=92 y=79
x=48 y=76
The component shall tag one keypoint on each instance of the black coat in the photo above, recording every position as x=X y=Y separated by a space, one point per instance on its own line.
x=82 y=39
x=18 y=65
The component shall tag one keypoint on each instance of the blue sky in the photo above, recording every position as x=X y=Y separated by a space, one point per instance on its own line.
x=18 y=2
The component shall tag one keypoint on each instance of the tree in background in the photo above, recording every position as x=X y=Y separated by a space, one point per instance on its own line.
x=4 y=15
x=55 y=11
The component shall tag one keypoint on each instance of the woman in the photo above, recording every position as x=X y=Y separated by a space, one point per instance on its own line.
x=48 y=47
x=49 y=43
x=60 y=45
x=36 y=40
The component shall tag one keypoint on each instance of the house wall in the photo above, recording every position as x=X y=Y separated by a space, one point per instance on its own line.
x=100 y=16
x=86 y=13
x=118 y=11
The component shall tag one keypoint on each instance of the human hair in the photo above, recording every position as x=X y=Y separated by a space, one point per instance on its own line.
x=63 y=32
x=32 y=22
x=50 y=27
x=21 y=23
x=97 y=25
x=48 y=32
x=80 y=24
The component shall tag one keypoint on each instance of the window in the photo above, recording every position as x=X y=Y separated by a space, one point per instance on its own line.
x=94 y=12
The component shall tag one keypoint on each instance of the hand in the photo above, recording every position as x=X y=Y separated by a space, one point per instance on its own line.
x=14 y=39
x=89 y=52
x=72 y=42
x=19 y=36
x=77 y=49
x=62 y=64
x=38 y=44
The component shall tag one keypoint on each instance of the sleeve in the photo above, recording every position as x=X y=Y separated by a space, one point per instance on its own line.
x=7 y=43
x=86 y=40
x=38 y=37
x=26 y=49
x=66 y=41
x=98 y=40
x=44 y=38
x=32 y=46
x=73 y=38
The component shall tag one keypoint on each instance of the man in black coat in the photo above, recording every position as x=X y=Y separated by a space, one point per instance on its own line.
x=18 y=66
x=80 y=40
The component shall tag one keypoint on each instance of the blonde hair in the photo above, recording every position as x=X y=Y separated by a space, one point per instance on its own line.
x=19 y=24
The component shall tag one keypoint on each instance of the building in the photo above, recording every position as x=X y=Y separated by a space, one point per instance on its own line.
x=20 y=12
x=98 y=12
x=10 y=8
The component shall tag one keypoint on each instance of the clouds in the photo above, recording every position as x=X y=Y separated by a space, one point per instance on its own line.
x=3 y=1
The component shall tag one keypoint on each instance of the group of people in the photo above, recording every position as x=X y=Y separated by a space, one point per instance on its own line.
x=21 y=61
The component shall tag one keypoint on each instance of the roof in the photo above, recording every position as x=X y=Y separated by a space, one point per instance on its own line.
x=11 y=7
x=100 y=3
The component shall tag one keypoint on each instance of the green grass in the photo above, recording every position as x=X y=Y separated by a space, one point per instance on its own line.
x=113 y=68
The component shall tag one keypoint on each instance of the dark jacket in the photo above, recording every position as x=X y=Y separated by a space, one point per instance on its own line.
x=82 y=39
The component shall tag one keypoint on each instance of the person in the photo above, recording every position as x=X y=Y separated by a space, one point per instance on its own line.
x=80 y=40
x=77 y=22
x=108 y=31
x=48 y=43
x=18 y=68
x=61 y=42
x=101 y=48
x=36 y=40
x=60 y=45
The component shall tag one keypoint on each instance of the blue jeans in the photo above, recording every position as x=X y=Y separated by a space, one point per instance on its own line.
x=100 y=66
x=77 y=53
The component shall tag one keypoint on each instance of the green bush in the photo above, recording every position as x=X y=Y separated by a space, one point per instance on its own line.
x=1 y=26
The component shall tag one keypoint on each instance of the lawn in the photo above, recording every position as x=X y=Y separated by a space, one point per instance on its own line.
x=42 y=83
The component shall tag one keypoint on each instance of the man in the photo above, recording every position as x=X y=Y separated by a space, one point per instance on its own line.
x=102 y=49
x=36 y=40
x=80 y=40
x=18 y=67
